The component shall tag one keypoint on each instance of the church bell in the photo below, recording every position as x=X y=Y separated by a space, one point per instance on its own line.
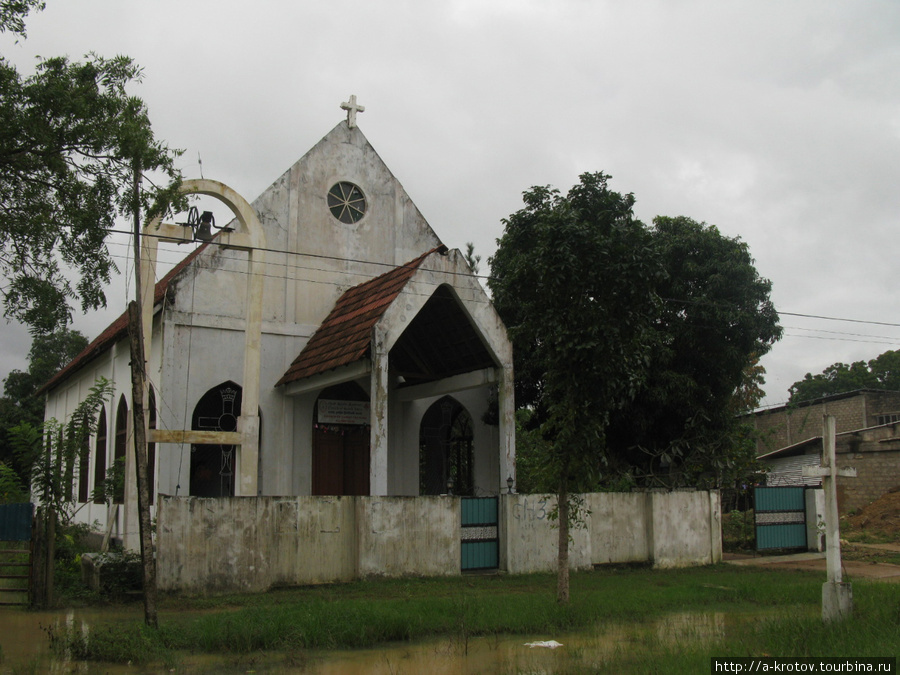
x=203 y=231
x=201 y=224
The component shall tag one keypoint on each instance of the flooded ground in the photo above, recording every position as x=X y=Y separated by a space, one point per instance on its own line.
x=26 y=649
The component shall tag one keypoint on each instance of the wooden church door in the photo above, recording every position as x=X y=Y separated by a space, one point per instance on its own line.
x=341 y=461
x=340 y=448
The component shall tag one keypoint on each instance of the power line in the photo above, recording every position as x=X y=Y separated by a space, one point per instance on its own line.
x=834 y=318
x=389 y=266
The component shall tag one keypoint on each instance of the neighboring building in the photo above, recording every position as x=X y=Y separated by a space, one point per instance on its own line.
x=354 y=276
x=796 y=422
x=868 y=439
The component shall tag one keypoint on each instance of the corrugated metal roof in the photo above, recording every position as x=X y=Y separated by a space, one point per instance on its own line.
x=345 y=335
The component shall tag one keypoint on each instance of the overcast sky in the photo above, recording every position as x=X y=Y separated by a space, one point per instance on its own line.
x=779 y=122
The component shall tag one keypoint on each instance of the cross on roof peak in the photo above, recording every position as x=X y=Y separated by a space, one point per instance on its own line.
x=352 y=108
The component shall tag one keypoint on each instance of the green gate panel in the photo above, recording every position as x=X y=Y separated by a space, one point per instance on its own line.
x=479 y=511
x=480 y=549
x=480 y=555
x=792 y=535
x=15 y=522
x=780 y=499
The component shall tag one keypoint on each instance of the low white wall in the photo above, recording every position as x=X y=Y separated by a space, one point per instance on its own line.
x=254 y=543
x=667 y=529
x=408 y=535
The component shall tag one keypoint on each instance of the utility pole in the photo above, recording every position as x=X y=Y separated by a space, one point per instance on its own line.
x=139 y=416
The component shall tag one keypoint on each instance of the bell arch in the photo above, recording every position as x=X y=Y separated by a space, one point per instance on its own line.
x=446 y=449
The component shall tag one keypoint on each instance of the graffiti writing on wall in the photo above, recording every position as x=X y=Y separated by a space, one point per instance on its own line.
x=533 y=509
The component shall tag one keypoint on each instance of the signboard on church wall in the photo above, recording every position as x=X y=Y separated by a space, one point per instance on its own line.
x=343 y=412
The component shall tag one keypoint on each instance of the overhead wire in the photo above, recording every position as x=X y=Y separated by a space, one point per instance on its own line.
x=390 y=266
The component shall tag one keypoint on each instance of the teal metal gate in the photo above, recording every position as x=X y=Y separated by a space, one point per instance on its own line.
x=16 y=553
x=480 y=533
x=780 y=517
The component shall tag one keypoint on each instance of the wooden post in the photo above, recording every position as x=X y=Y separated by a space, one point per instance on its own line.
x=138 y=385
x=139 y=416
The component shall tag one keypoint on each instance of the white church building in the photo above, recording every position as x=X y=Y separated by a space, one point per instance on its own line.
x=383 y=368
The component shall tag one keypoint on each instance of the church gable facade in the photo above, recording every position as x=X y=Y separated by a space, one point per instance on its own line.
x=383 y=367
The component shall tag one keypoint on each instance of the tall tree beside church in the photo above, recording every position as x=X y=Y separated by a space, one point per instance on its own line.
x=573 y=279
x=715 y=321
x=76 y=152
x=882 y=372
x=70 y=137
x=19 y=403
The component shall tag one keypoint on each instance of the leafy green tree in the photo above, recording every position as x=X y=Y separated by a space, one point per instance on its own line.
x=882 y=372
x=20 y=402
x=13 y=13
x=715 y=321
x=76 y=151
x=573 y=279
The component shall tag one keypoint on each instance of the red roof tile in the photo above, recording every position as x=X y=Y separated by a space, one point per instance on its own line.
x=344 y=336
x=118 y=329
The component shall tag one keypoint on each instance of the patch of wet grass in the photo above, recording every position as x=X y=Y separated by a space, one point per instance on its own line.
x=374 y=612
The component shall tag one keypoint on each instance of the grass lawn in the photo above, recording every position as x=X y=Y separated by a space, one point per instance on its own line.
x=783 y=607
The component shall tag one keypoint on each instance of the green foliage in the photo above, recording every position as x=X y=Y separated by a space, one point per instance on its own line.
x=882 y=372
x=635 y=348
x=71 y=141
x=54 y=449
x=715 y=322
x=474 y=261
x=71 y=543
x=13 y=13
x=573 y=279
x=739 y=531
x=20 y=402
x=11 y=489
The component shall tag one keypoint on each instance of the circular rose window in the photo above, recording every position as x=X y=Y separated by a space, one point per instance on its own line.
x=346 y=202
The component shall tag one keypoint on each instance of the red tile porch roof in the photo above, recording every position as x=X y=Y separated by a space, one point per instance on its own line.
x=344 y=337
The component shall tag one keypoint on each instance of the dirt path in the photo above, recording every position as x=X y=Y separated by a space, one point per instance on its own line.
x=853 y=570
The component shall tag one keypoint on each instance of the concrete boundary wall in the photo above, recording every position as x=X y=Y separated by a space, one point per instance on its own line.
x=667 y=529
x=254 y=543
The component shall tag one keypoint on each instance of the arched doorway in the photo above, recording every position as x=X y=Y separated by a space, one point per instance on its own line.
x=212 y=466
x=340 y=457
x=446 y=460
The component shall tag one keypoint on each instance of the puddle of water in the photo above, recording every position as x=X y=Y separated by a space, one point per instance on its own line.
x=25 y=645
x=26 y=649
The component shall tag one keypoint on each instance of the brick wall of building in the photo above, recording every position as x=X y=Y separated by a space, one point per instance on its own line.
x=787 y=425
x=875 y=454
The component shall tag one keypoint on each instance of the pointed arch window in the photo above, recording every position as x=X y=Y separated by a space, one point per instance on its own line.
x=151 y=447
x=121 y=447
x=100 y=457
x=84 y=469
x=446 y=458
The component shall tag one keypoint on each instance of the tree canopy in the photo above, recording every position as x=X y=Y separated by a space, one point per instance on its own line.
x=715 y=320
x=573 y=279
x=882 y=372
x=72 y=143
x=635 y=347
